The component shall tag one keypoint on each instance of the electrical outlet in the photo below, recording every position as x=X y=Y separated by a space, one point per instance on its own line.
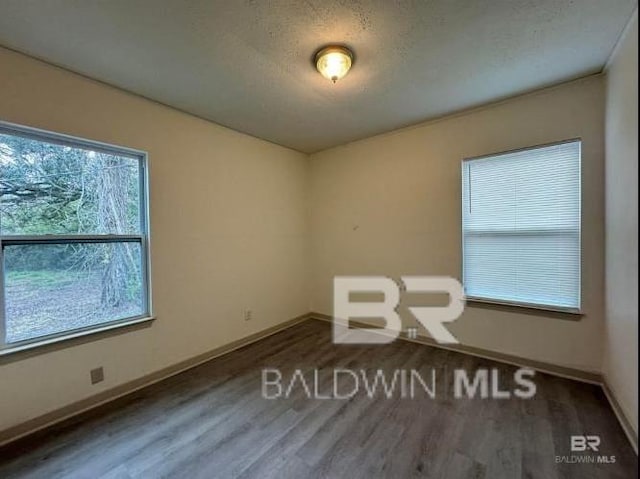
x=247 y=315
x=97 y=375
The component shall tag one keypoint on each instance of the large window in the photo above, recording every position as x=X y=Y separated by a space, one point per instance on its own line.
x=521 y=227
x=73 y=234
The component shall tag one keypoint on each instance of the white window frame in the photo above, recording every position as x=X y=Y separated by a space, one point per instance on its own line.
x=142 y=239
x=519 y=304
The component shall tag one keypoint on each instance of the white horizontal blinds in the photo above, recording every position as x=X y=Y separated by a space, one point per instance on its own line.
x=521 y=226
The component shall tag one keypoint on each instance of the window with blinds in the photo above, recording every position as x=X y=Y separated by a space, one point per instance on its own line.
x=521 y=227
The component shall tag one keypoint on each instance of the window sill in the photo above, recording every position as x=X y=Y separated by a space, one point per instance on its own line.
x=567 y=313
x=88 y=334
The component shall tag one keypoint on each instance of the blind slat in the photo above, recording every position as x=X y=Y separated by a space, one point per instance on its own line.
x=521 y=226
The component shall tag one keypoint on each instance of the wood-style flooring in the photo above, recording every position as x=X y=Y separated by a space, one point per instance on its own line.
x=212 y=422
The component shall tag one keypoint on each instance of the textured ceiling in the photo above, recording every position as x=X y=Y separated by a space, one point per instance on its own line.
x=247 y=64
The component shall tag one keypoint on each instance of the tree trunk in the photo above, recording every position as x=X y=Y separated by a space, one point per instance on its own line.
x=112 y=195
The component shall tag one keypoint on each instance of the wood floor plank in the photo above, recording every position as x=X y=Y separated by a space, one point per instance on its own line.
x=212 y=421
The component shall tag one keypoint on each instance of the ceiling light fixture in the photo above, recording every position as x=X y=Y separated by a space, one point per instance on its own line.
x=333 y=62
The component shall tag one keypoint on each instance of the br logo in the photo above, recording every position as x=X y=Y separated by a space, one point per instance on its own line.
x=432 y=318
x=582 y=443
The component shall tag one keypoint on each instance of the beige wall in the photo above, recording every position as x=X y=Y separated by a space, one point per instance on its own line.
x=228 y=227
x=390 y=205
x=621 y=350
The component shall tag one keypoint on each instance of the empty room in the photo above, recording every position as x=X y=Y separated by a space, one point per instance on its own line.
x=318 y=239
